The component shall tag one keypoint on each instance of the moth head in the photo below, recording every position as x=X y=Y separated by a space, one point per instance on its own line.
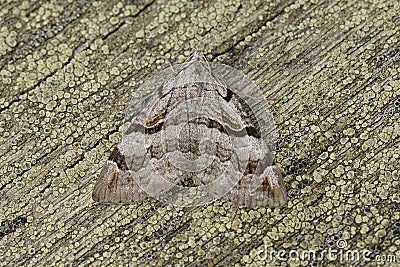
x=198 y=56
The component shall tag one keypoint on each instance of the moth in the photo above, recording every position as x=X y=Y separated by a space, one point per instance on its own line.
x=196 y=133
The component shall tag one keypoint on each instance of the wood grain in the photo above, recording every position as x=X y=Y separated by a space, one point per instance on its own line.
x=330 y=70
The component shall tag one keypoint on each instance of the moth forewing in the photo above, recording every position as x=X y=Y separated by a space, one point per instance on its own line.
x=116 y=183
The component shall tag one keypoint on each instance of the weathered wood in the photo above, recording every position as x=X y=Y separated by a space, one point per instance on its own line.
x=69 y=68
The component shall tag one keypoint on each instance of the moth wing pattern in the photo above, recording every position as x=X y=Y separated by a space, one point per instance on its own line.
x=116 y=183
x=259 y=183
x=269 y=191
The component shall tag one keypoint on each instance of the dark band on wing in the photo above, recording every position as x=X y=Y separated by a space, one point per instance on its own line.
x=155 y=120
x=210 y=123
x=138 y=128
x=155 y=129
x=267 y=187
x=253 y=131
x=245 y=109
x=251 y=167
x=229 y=95
x=119 y=159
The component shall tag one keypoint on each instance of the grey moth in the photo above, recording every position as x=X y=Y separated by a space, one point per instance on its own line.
x=195 y=133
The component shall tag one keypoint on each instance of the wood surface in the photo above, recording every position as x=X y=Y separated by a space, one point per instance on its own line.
x=330 y=72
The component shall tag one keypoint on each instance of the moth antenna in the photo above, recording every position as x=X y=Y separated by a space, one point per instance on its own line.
x=197 y=55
